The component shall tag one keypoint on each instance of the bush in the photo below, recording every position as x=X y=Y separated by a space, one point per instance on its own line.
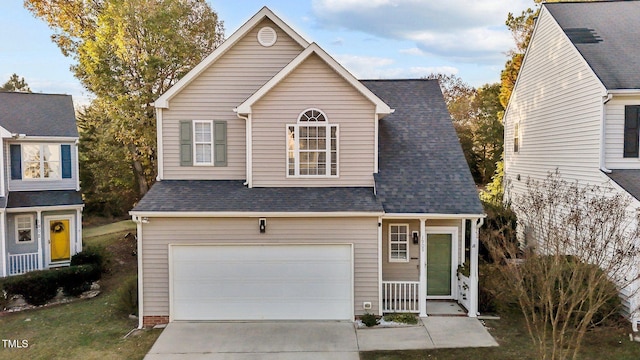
x=369 y=319
x=93 y=256
x=36 y=287
x=128 y=296
x=404 y=318
x=75 y=280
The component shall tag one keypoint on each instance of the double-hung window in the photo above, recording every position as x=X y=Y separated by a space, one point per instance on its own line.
x=203 y=142
x=516 y=137
x=41 y=161
x=24 y=228
x=398 y=242
x=312 y=146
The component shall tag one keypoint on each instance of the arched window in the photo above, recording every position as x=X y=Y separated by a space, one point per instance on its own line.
x=312 y=146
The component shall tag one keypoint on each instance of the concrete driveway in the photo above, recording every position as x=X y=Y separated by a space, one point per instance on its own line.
x=257 y=340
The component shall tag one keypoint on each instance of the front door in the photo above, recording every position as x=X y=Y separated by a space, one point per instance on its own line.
x=59 y=239
x=439 y=265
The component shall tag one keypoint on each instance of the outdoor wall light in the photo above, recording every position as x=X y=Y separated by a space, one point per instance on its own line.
x=414 y=235
x=262 y=223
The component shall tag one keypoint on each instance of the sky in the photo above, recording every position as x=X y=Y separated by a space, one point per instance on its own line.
x=373 y=39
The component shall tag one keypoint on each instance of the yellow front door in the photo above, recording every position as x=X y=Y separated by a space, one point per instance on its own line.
x=60 y=240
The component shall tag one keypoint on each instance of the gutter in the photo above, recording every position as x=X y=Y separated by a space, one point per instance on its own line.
x=605 y=100
x=248 y=136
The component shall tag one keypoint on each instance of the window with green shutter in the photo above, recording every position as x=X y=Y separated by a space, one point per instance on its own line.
x=203 y=142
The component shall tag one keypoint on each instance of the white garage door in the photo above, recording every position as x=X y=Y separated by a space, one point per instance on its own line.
x=261 y=282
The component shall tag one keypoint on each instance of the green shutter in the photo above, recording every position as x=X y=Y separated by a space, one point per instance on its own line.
x=220 y=143
x=186 y=147
x=631 y=131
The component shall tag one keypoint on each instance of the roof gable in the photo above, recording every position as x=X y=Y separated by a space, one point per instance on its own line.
x=381 y=106
x=163 y=101
x=37 y=114
x=605 y=35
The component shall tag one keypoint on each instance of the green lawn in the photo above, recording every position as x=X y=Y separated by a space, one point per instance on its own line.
x=85 y=329
x=611 y=342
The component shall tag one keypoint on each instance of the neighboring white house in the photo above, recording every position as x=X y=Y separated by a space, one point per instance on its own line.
x=575 y=105
x=40 y=200
x=288 y=189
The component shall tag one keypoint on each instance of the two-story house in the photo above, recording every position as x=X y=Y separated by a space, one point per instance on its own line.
x=288 y=189
x=575 y=103
x=40 y=200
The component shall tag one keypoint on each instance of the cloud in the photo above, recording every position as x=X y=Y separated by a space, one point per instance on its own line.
x=411 y=51
x=338 y=42
x=368 y=67
x=461 y=29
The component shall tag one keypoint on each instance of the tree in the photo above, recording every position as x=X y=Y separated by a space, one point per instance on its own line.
x=579 y=246
x=488 y=131
x=129 y=52
x=15 y=84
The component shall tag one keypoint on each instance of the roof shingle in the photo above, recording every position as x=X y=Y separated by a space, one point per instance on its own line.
x=38 y=114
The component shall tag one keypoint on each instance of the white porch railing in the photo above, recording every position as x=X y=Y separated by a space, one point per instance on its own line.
x=401 y=296
x=23 y=263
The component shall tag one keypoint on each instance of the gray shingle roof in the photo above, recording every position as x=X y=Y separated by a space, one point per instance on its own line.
x=606 y=35
x=38 y=114
x=421 y=165
x=232 y=195
x=18 y=199
x=628 y=180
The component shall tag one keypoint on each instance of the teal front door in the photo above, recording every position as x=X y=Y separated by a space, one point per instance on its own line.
x=439 y=264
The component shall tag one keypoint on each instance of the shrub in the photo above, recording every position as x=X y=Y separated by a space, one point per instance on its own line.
x=90 y=256
x=36 y=287
x=77 y=279
x=404 y=318
x=369 y=319
x=128 y=296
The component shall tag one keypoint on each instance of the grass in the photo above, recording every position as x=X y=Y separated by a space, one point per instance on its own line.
x=515 y=343
x=85 y=329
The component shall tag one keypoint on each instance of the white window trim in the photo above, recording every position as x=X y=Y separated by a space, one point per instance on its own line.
x=296 y=127
x=31 y=220
x=41 y=178
x=391 y=260
x=195 y=157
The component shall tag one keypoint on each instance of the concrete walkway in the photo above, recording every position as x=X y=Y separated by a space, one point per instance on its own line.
x=315 y=340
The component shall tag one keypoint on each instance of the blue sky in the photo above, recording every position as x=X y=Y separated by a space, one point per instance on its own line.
x=374 y=39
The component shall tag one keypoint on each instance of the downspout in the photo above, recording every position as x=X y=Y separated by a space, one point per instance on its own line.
x=41 y=245
x=3 y=238
x=248 y=135
x=139 y=221
x=605 y=100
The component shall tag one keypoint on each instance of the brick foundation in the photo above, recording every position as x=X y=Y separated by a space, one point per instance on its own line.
x=151 y=321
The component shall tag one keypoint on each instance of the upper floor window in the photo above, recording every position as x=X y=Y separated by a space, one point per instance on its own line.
x=312 y=146
x=203 y=142
x=31 y=161
x=631 y=131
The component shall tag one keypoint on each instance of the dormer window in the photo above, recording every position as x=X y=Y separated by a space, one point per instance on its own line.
x=312 y=146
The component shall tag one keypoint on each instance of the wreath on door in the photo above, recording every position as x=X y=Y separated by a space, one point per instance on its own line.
x=57 y=227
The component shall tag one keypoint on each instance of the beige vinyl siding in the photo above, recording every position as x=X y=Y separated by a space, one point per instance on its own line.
x=159 y=232
x=237 y=74
x=558 y=102
x=614 y=133
x=314 y=85
x=410 y=271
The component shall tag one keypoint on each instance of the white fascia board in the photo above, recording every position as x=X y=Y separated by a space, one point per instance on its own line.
x=433 y=216
x=59 y=139
x=381 y=106
x=245 y=214
x=45 y=208
x=265 y=12
x=624 y=92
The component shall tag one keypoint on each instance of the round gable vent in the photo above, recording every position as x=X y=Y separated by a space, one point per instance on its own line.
x=267 y=36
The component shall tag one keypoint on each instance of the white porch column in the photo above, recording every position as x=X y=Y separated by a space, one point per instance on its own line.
x=39 y=237
x=3 y=238
x=78 y=230
x=379 y=265
x=473 y=276
x=422 y=297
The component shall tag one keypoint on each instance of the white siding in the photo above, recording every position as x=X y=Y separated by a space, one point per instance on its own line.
x=159 y=232
x=558 y=102
x=213 y=96
x=614 y=133
x=314 y=85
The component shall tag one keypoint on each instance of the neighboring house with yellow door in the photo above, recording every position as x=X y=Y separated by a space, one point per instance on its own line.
x=40 y=200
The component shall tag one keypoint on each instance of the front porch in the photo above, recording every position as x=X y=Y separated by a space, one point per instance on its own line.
x=429 y=266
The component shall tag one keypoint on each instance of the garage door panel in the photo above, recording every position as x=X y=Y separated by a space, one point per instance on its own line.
x=262 y=282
